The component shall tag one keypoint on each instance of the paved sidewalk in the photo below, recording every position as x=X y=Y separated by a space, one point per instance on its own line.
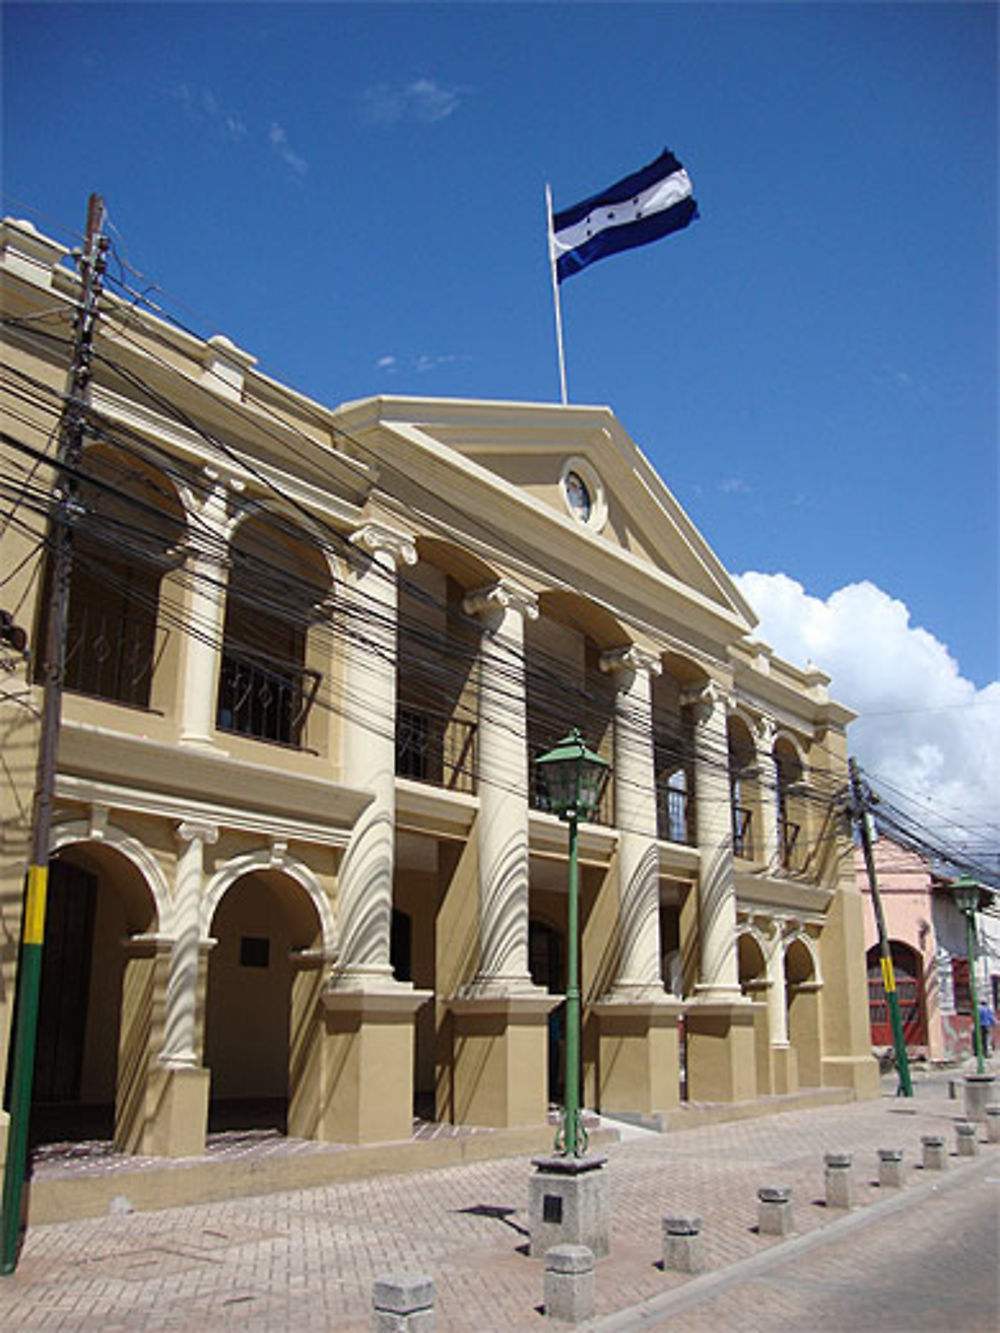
x=306 y=1259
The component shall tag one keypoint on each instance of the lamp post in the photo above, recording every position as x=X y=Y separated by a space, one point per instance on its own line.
x=574 y=779
x=965 y=894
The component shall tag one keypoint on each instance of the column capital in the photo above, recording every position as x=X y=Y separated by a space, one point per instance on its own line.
x=765 y=729
x=504 y=595
x=191 y=830
x=631 y=658
x=704 y=699
x=381 y=539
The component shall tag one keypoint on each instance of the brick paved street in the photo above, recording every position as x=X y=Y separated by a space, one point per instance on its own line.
x=923 y=1259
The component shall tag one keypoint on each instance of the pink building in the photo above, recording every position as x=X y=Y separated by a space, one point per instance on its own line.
x=929 y=955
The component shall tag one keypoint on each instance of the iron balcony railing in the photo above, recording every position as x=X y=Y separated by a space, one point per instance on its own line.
x=110 y=656
x=742 y=832
x=434 y=748
x=675 y=812
x=791 y=852
x=267 y=703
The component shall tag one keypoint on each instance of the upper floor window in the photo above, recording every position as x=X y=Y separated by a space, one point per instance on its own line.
x=278 y=582
x=127 y=535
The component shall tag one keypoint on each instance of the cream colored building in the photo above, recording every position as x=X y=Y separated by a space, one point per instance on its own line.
x=302 y=865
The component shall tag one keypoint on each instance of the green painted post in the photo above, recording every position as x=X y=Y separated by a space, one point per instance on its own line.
x=977 y=1030
x=572 y=1138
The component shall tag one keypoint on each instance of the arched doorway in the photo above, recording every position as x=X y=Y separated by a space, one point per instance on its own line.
x=260 y=999
x=88 y=1061
x=803 y=996
x=908 y=970
x=547 y=964
x=753 y=984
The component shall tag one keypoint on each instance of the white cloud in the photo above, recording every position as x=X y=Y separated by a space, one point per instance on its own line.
x=277 y=137
x=386 y=363
x=922 y=727
x=734 y=486
x=419 y=364
x=423 y=99
x=203 y=107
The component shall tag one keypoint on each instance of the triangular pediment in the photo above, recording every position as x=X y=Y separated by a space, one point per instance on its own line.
x=533 y=447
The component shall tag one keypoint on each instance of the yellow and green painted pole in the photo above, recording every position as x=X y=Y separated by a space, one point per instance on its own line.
x=860 y=812
x=29 y=971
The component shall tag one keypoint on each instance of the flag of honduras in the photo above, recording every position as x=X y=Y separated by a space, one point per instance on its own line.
x=641 y=208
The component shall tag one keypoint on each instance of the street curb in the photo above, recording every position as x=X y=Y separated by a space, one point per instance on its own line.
x=709 y=1285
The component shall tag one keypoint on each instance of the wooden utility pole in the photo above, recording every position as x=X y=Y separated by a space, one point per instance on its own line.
x=29 y=972
x=859 y=810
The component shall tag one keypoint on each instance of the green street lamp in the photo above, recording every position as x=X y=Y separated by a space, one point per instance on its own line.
x=574 y=779
x=966 y=894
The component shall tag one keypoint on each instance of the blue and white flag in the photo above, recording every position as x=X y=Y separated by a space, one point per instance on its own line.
x=641 y=208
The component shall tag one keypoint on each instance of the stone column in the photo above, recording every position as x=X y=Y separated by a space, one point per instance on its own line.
x=365 y=1083
x=638 y=1055
x=718 y=973
x=767 y=784
x=719 y=1020
x=179 y=1087
x=369 y=755
x=784 y=1059
x=201 y=647
x=500 y=1051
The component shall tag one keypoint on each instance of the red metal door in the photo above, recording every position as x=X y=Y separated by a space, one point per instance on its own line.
x=907 y=969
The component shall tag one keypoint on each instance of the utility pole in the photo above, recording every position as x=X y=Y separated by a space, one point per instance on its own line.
x=860 y=798
x=29 y=972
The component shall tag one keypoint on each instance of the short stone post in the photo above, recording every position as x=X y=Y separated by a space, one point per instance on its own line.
x=935 y=1152
x=569 y=1204
x=569 y=1283
x=839 y=1179
x=403 y=1303
x=774 y=1210
x=968 y=1144
x=993 y=1124
x=891 y=1172
x=683 y=1247
x=979 y=1091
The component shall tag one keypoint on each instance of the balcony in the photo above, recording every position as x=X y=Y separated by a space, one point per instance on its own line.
x=675 y=814
x=792 y=852
x=435 y=748
x=266 y=703
x=110 y=655
x=743 y=833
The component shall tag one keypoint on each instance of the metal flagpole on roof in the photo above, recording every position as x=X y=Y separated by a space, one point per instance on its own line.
x=555 y=294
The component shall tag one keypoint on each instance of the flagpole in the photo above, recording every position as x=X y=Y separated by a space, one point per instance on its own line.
x=555 y=295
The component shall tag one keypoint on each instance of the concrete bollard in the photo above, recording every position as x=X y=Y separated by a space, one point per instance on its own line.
x=683 y=1247
x=935 y=1152
x=979 y=1093
x=891 y=1172
x=993 y=1124
x=968 y=1144
x=774 y=1210
x=839 y=1179
x=569 y=1283
x=403 y=1303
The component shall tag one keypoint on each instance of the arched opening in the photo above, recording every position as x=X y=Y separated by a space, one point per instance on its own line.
x=547 y=965
x=803 y=999
x=438 y=646
x=753 y=983
x=95 y=1011
x=271 y=673
x=673 y=752
x=126 y=539
x=744 y=789
x=907 y=967
x=565 y=686
x=791 y=805
x=260 y=995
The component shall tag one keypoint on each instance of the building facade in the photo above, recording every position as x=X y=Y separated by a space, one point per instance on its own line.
x=928 y=940
x=302 y=861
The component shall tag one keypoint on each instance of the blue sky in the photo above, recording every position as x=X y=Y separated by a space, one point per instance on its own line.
x=354 y=193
